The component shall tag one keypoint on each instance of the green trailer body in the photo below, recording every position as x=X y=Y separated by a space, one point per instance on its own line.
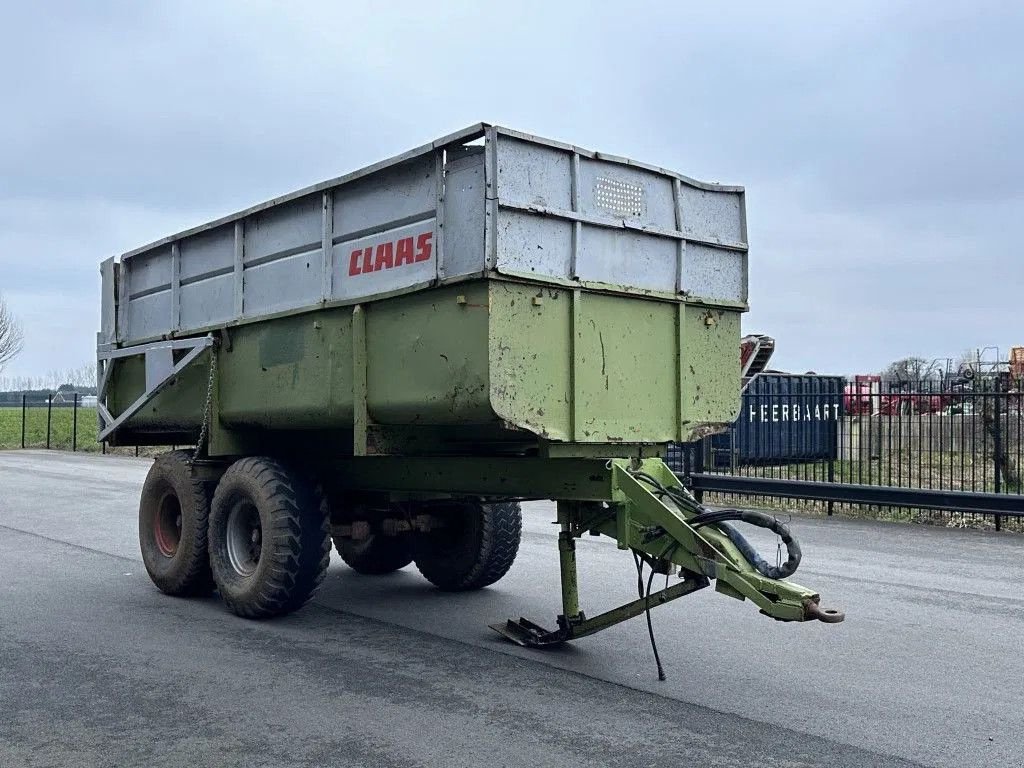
x=496 y=365
x=463 y=326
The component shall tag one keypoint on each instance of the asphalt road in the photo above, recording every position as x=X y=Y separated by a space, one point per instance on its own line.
x=98 y=668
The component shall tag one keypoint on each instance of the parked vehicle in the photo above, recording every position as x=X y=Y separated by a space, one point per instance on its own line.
x=784 y=418
x=865 y=397
x=395 y=358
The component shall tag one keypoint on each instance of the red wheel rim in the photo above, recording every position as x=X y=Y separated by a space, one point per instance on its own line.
x=167 y=525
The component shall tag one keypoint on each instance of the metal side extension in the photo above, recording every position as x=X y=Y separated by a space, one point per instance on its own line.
x=652 y=514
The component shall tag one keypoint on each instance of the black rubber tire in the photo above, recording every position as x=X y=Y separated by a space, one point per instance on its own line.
x=376 y=555
x=475 y=550
x=173 y=514
x=295 y=543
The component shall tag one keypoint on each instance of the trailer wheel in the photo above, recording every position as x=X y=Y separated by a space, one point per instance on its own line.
x=173 y=511
x=269 y=539
x=375 y=555
x=474 y=550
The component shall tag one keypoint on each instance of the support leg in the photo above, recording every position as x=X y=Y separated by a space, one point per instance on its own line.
x=572 y=623
x=571 y=613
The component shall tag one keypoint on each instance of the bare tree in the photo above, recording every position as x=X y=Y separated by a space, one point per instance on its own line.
x=910 y=369
x=71 y=379
x=11 y=338
x=84 y=375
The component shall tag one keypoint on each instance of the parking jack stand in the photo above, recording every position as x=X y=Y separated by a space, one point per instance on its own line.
x=573 y=623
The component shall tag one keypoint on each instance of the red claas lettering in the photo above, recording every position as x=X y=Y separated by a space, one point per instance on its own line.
x=391 y=254
x=405 y=252
x=385 y=256
x=423 y=246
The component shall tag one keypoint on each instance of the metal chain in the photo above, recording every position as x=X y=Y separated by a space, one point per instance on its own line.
x=208 y=407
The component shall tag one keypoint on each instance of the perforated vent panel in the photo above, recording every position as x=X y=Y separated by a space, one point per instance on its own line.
x=620 y=198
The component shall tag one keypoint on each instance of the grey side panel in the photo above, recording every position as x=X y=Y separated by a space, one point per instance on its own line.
x=108 y=302
x=402 y=192
x=205 y=264
x=150 y=316
x=518 y=204
x=707 y=271
x=569 y=214
x=207 y=302
x=464 y=212
x=275 y=232
x=532 y=174
x=533 y=244
x=149 y=295
x=151 y=272
x=622 y=193
x=205 y=254
x=626 y=257
x=713 y=215
x=281 y=257
x=387 y=261
x=277 y=264
x=285 y=283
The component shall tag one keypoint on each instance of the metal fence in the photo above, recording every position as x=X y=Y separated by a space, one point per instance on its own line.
x=927 y=450
x=61 y=421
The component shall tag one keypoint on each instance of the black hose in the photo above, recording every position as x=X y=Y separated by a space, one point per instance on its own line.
x=721 y=517
x=760 y=520
x=646 y=597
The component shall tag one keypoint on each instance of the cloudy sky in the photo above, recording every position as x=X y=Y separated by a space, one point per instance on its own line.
x=880 y=143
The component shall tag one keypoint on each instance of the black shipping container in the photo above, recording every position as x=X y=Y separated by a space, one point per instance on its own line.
x=784 y=419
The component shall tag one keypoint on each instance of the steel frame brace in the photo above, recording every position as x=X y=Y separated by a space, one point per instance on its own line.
x=160 y=370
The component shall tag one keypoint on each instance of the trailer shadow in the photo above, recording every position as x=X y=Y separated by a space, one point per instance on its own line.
x=406 y=599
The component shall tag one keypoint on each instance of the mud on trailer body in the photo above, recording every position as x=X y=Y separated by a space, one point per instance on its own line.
x=395 y=358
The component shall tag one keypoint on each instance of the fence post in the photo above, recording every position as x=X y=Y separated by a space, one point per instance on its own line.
x=74 y=425
x=831 y=479
x=997 y=454
x=698 y=467
x=23 y=396
x=49 y=412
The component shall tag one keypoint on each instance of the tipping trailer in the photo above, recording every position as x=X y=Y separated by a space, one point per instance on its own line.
x=395 y=358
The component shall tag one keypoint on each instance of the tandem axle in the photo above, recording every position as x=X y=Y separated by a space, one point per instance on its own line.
x=638 y=502
x=458 y=519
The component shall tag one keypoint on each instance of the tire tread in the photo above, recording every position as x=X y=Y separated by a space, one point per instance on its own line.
x=500 y=533
x=195 y=580
x=299 y=538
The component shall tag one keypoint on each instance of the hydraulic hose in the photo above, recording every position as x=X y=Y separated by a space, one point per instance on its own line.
x=721 y=518
x=762 y=566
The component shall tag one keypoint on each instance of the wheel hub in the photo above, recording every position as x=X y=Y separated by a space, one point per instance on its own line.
x=167 y=525
x=244 y=538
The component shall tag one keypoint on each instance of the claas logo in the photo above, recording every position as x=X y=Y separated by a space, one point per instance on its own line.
x=391 y=254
